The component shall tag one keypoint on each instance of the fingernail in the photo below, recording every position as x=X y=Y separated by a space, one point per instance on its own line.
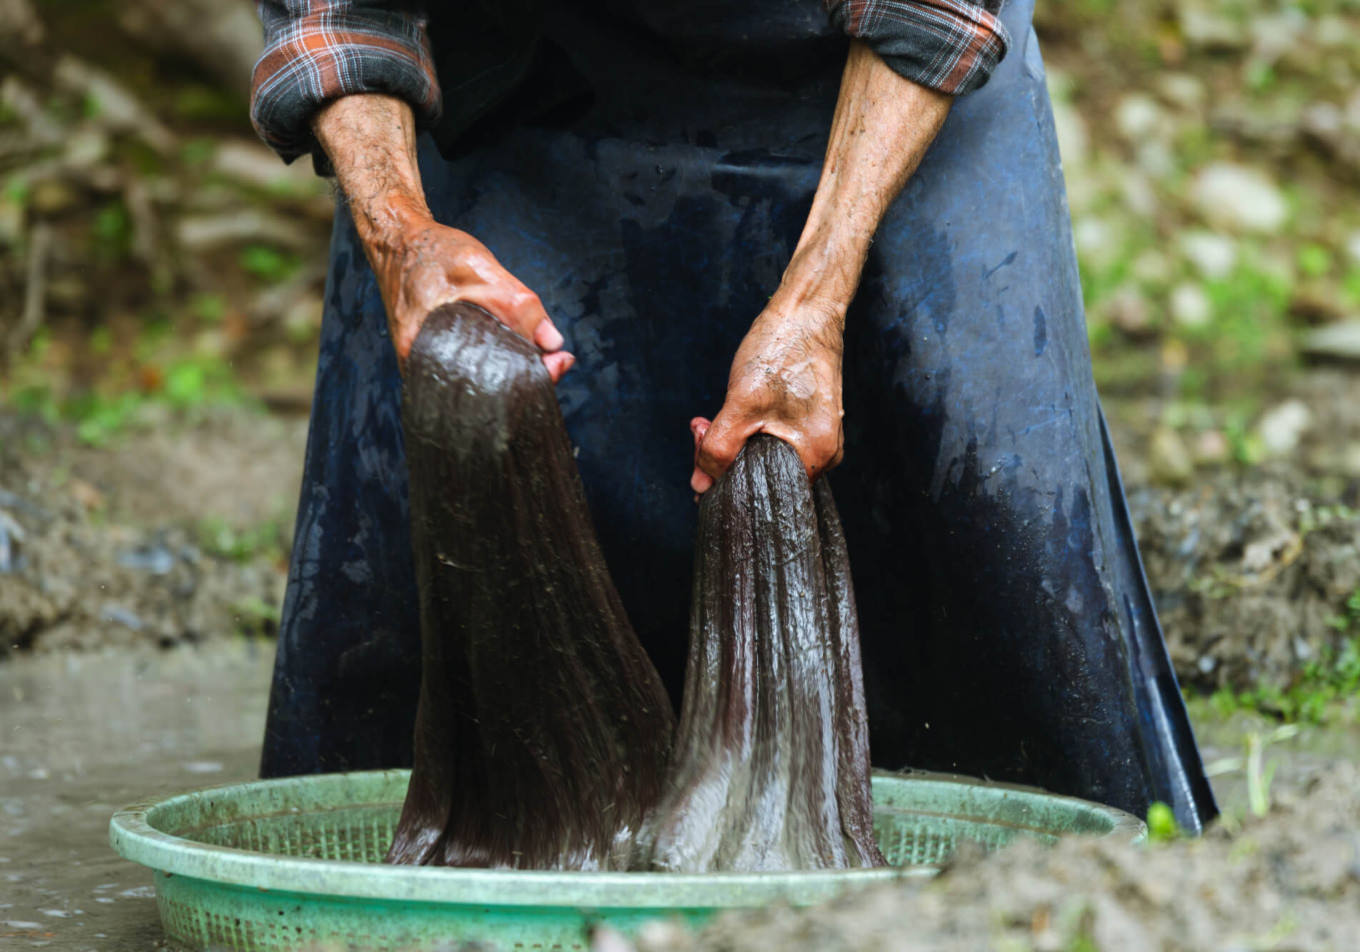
x=552 y=339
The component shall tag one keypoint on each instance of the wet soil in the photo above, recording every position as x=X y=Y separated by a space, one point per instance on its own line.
x=172 y=533
x=86 y=734
x=179 y=532
x=82 y=735
x=1288 y=881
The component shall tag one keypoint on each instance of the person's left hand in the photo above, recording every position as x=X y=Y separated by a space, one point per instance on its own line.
x=785 y=381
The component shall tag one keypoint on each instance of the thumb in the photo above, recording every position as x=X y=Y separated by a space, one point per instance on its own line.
x=719 y=446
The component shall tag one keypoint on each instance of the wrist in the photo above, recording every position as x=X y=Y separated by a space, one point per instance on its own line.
x=386 y=221
x=823 y=274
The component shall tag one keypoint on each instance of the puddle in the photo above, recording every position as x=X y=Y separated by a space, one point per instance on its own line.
x=81 y=736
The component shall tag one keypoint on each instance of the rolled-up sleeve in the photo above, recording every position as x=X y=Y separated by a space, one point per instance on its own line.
x=948 y=45
x=319 y=50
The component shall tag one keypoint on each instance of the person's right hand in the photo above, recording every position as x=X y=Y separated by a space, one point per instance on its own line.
x=421 y=264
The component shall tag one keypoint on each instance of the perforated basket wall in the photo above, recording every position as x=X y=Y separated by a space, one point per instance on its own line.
x=296 y=864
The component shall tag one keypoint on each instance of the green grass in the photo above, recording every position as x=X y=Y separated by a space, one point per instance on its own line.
x=189 y=384
x=218 y=537
x=1327 y=690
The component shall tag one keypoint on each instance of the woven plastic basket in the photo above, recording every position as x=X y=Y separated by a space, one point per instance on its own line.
x=296 y=864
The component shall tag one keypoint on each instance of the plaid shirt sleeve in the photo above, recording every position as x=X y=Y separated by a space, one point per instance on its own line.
x=319 y=50
x=948 y=45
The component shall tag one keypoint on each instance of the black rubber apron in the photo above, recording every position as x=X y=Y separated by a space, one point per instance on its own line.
x=1007 y=627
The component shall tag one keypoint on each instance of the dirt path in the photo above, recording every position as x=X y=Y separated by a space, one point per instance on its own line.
x=173 y=533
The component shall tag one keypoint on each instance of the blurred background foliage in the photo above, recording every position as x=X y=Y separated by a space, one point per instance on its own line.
x=162 y=273
x=154 y=255
x=154 y=252
x=1212 y=156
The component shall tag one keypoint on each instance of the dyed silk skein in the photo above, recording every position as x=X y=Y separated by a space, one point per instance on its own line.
x=543 y=731
x=771 y=768
x=543 y=734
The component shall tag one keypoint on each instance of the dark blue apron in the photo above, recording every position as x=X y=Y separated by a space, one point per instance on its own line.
x=1008 y=629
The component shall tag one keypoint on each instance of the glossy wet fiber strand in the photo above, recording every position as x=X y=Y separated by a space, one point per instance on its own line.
x=544 y=734
x=771 y=768
x=543 y=730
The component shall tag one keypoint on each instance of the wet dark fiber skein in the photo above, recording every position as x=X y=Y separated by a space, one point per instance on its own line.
x=543 y=730
x=771 y=767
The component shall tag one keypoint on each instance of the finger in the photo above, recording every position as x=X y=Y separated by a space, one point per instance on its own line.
x=722 y=442
x=547 y=336
x=520 y=309
x=697 y=428
x=558 y=363
x=699 y=481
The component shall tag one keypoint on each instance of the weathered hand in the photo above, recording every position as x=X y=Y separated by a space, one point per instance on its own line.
x=425 y=264
x=420 y=264
x=785 y=381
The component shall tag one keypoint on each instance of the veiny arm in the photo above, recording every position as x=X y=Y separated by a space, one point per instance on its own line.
x=419 y=263
x=786 y=377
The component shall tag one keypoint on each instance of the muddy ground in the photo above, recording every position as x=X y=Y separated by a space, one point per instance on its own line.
x=1288 y=881
x=177 y=531
x=86 y=732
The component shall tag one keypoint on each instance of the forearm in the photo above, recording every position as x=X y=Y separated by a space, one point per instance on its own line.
x=371 y=142
x=881 y=130
x=419 y=264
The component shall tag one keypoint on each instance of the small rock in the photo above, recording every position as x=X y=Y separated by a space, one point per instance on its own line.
x=1283 y=426
x=1334 y=342
x=120 y=615
x=1275 y=34
x=1168 y=460
x=1155 y=157
x=154 y=558
x=1190 y=306
x=1138 y=117
x=11 y=535
x=1140 y=198
x=1182 y=89
x=605 y=939
x=1212 y=448
x=1353 y=246
x=1128 y=310
x=1210 y=30
x=1213 y=255
x=1151 y=267
x=1240 y=198
x=1096 y=240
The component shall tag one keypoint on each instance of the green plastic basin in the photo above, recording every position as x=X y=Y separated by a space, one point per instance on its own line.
x=296 y=864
